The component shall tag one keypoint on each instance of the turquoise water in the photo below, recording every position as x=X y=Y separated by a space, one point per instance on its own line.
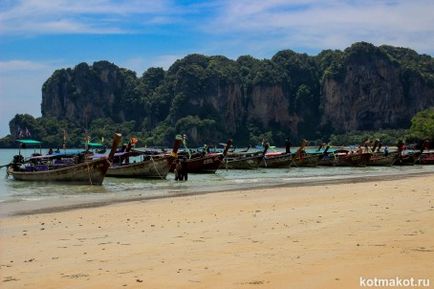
x=17 y=196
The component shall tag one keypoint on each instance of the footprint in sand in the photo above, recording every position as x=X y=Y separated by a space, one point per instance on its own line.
x=9 y=278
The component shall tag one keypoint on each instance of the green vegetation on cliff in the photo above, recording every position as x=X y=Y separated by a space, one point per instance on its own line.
x=422 y=124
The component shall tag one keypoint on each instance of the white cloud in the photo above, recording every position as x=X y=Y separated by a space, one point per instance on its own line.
x=321 y=24
x=81 y=16
x=21 y=66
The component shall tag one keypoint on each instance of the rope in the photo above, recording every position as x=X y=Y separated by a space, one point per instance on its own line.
x=155 y=167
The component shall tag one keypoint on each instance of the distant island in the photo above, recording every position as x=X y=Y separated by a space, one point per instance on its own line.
x=212 y=98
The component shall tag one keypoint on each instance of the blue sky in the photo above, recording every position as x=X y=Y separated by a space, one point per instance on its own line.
x=39 y=36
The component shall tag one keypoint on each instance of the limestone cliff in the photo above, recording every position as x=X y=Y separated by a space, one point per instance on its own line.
x=363 y=87
x=88 y=92
x=373 y=92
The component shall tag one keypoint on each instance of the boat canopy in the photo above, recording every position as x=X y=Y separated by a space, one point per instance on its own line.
x=28 y=141
x=56 y=155
x=316 y=151
x=95 y=144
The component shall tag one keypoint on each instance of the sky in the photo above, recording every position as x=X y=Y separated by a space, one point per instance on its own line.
x=39 y=36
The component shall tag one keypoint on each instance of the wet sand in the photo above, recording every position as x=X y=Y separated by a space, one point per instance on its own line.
x=320 y=236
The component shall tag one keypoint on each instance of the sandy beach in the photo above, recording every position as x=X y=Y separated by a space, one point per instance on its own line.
x=320 y=236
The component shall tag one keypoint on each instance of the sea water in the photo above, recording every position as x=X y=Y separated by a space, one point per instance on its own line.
x=16 y=196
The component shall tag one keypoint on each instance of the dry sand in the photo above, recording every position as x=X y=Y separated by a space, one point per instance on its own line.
x=307 y=237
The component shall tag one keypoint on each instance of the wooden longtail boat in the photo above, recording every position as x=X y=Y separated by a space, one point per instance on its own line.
x=156 y=167
x=304 y=160
x=245 y=161
x=54 y=168
x=353 y=160
x=206 y=163
x=426 y=158
x=276 y=160
x=407 y=159
x=344 y=158
x=381 y=159
x=88 y=173
x=328 y=159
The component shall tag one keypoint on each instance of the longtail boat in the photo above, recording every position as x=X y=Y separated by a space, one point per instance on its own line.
x=75 y=169
x=156 y=167
x=276 y=160
x=208 y=163
x=328 y=159
x=88 y=172
x=352 y=159
x=205 y=163
x=303 y=159
x=426 y=158
x=383 y=159
x=152 y=165
x=245 y=161
x=408 y=159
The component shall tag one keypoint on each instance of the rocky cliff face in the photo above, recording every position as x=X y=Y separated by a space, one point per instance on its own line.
x=362 y=88
x=373 y=92
x=86 y=93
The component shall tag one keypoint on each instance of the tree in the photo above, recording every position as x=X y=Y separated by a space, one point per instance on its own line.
x=422 y=124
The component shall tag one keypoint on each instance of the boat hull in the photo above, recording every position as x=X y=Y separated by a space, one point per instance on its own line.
x=426 y=159
x=328 y=160
x=278 y=161
x=305 y=161
x=379 y=159
x=248 y=163
x=87 y=173
x=353 y=160
x=153 y=168
x=406 y=160
x=204 y=165
x=207 y=164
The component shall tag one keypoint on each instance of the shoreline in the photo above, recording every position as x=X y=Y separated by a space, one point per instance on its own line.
x=313 y=183
x=307 y=237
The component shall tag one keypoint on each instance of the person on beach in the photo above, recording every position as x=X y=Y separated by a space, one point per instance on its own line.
x=366 y=144
x=426 y=145
x=181 y=173
x=386 y=151
x=287 y=146
x=376 y=146
x=401 y=147
x=205 y=149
